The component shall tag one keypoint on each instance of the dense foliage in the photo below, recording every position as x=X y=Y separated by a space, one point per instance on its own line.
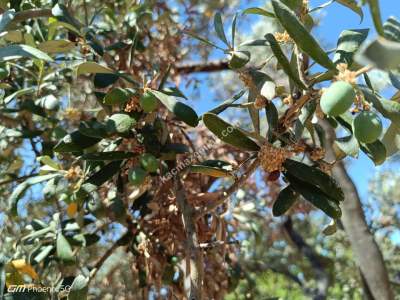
x=112 y=183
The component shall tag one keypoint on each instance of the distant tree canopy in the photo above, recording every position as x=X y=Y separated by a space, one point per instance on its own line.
x=114 y=186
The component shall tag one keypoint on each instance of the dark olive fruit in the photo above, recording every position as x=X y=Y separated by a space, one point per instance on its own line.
x=367 y=127
x=338 y=98
x=148 y=102
x=149 y=162
x=274 y=175
x=238 y=59
x=137 y=175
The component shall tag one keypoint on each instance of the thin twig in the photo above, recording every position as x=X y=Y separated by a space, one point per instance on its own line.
x=213 y=66
x=107 y=254
x=18 y=179
x=218 y=243
x=363 y=70
x=227 y=193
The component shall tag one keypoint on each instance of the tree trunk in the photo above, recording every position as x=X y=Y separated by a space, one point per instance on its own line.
x=366 y=251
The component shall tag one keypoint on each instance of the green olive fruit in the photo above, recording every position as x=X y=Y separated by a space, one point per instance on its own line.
x=367 y=127
x=120 y=123
x=338 y=98
x=149 y=162
x=137 y=175
x=148 y=102
x=238 y=59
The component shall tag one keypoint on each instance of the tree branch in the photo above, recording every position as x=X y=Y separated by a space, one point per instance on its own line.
x=193 y=250
x=30 y=14
x=321 y=276
x=213 y=66
x=227 y=193
x=120 y=242
x=366 y=251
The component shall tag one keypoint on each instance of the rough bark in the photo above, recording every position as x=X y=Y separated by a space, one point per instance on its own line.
x=213 y=66
x=366 y=251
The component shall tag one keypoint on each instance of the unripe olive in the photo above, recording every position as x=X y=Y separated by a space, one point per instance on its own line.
x=149 y=162
x=148 y=102
x=367 y=127
x=137 y=175
x=338 y=98
x=238 y=59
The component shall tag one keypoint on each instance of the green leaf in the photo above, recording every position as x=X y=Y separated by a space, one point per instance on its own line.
x=45 y=251
x=272 y=119
x=173 y=91
x=104 y=174
x=381 y=53
x=305 y=117
x=120 y=123
x=19 y=93
x=46 y=160
x=63 y=249
x=79 y=288
x=315 y=177
x=353 y=5
x=5 y=19
x=62 y=14
x=20 y=190
x=12 y=52
x=75 y=142
x=227 y=103
x=391 y=29
x=203 y=40
x=182 y=111
x=213 y=168
x=258 y=11
x=117 y=96
x=112 y=155
x=348 y=145
x=389 y=109
x=391 y=140
x=229 y=133
x=300 y=34
x=316 y=197
x=285 y=200
x=94 y=129
x=376 y=15
x=348 y=44
x=103 y=80
x=219 y=28
x=283 y=61
x=92 y=68
x=233 y=30
x=376 y=151
x=253 y=112
x=56 y=46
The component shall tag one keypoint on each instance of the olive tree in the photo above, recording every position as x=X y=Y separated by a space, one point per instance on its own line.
x=118 y=172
